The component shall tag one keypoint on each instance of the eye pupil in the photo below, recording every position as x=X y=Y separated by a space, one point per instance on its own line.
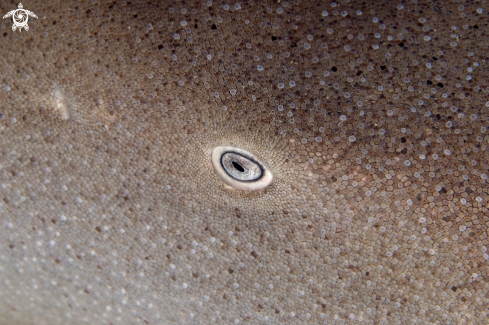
x=238 y=166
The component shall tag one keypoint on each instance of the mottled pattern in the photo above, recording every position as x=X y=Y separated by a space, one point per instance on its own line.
x=372 y=117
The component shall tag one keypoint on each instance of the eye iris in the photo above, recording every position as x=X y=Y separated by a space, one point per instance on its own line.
x=241 y=167
x=238 y=166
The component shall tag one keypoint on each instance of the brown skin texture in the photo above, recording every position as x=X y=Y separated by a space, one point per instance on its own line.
x=111 y=211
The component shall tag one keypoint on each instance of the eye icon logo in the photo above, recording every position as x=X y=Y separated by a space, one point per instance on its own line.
x=20 y=17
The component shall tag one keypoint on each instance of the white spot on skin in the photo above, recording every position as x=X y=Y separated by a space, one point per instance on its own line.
x=59 y=103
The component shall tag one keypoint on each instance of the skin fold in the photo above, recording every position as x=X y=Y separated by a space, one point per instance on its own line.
x=371 y=116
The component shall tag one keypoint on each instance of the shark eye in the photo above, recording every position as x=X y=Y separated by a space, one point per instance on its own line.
x=240 y=169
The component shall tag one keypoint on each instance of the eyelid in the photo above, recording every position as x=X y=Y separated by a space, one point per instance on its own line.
x=264 y=180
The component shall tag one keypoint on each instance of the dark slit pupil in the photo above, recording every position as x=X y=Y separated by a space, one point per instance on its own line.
x=238 y=166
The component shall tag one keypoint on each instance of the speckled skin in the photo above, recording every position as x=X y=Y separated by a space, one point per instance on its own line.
x=111 y=212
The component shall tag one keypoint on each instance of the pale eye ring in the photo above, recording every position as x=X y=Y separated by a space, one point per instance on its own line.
x=240 y=168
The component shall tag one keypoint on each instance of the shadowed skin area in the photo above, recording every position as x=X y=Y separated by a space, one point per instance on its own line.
x=371 y=117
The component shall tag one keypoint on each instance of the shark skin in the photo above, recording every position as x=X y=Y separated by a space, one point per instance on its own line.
x=368 y=121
